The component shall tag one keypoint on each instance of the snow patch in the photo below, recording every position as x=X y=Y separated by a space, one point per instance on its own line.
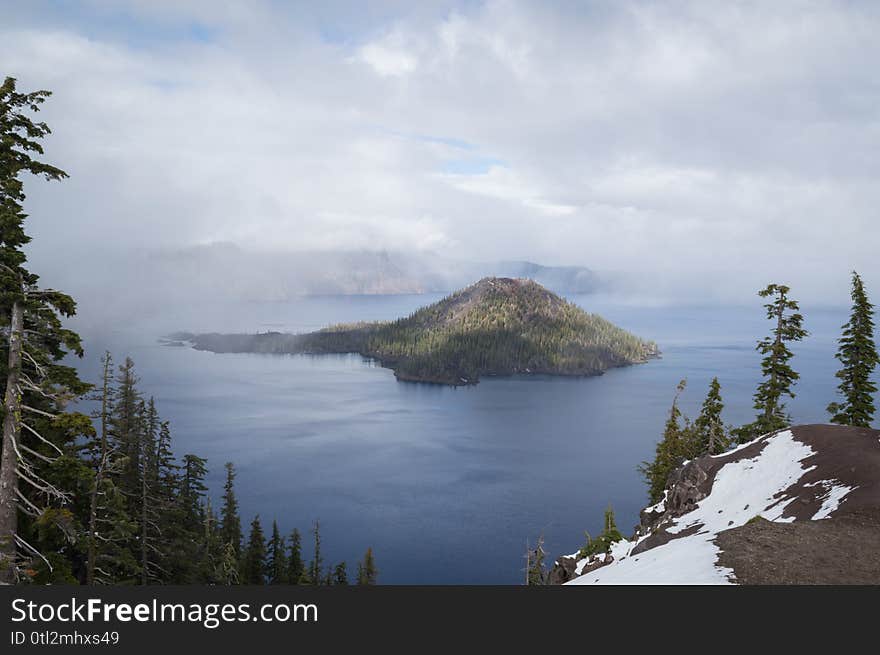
x=834 y=494
x=688 y=560
x=741 y=490
x=748 y=487
x=660 y=507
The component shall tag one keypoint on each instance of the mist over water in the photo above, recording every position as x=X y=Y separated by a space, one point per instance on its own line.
x=445 y=484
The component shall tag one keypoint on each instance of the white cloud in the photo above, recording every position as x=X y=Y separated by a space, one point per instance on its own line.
x=388 y=56
x=739 y=141
x=500 y=183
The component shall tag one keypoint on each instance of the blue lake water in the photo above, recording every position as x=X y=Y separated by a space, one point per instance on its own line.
x=445 y=484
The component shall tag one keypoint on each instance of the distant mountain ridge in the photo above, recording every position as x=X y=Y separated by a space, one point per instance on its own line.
x=226 y=270
x=498 y=326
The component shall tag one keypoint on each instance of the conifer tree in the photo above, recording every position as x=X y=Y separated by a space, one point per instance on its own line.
x=536 y=572
x=227 y=571
x=166 y=470
x=210 y=549
x=296 y=569
x=230 y=523
x=37 y=431
x=147 y=436
x=779 y=376
x=254 y=568
x=277 y=564
x=602 y=544
x=317 y=563
x=711 y=437
x=180 y=548
x=367 y=572
x=670 y=451
x=126 y=422
x=193 y=489
x=193 y=548
x=340 y=576
x=857 y=354
x=611 y=525
x=109 y=527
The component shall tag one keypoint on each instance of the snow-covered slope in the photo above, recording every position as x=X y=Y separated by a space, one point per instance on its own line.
x=805 y=474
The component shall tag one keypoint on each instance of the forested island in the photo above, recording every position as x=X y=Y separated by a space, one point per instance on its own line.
x=498 y=326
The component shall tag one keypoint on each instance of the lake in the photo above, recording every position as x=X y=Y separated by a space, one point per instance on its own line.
x=445 y=484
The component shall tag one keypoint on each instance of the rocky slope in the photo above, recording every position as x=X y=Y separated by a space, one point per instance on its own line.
x=498 y=326
x=799 y=506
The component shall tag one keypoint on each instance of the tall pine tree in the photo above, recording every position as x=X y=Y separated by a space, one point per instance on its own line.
x=39 y=438
x=317 y=563
x=109 y=528
x=296 y=568
x=710 y=434
x=779 y=376
x=254 y=566
x=230 y=523
x=340 y=575
x=670 y=451
x=368 y=574
x=277 y=562
x=857 y=354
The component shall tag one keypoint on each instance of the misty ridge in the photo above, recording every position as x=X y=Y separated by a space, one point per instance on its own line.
x=229 y=271
x=179 y=281
x=215 y=286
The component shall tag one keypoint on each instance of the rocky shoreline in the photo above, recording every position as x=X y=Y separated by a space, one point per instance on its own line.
x=799 y=506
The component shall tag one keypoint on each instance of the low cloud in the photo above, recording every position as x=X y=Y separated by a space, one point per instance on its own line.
x=712 y=145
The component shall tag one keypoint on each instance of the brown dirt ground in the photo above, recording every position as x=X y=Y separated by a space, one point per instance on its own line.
x=844 y=549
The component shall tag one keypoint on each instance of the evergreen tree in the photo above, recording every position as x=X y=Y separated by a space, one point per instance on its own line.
x=193 y=488
x=779 y=377
x=125 y=425
x=610 y=524
x=857 y=354
x=602 y=544
x=39 y=437
x=227 y=571
x=230 y=523
x=536 y=572
x=254 y=568
x=166 y=473
x=670 y=452
x=296 y=569
x=340 y=576
x=317 y=563
x=711 y=436
x=191 y=525
x=367 y=572
x=210 y=549
x=277 y=564
x=109 y=527
x=181 y=548
x=147 y=436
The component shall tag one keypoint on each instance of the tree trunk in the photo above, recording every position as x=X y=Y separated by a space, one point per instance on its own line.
x=99 y=474
x=9 y=460
x=144 y=527
x=772 y=400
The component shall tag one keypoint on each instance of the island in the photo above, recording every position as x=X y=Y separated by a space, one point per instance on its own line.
x=498 y=326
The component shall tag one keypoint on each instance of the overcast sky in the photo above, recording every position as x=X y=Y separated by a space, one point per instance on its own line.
x=717 y=144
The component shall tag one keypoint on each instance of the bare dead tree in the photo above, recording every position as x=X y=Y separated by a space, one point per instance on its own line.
x=28 y=372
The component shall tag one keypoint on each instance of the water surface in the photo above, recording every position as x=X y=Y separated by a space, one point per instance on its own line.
x=445 y=484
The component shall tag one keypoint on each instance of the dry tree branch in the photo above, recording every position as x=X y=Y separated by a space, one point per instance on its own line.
x=34 y=551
